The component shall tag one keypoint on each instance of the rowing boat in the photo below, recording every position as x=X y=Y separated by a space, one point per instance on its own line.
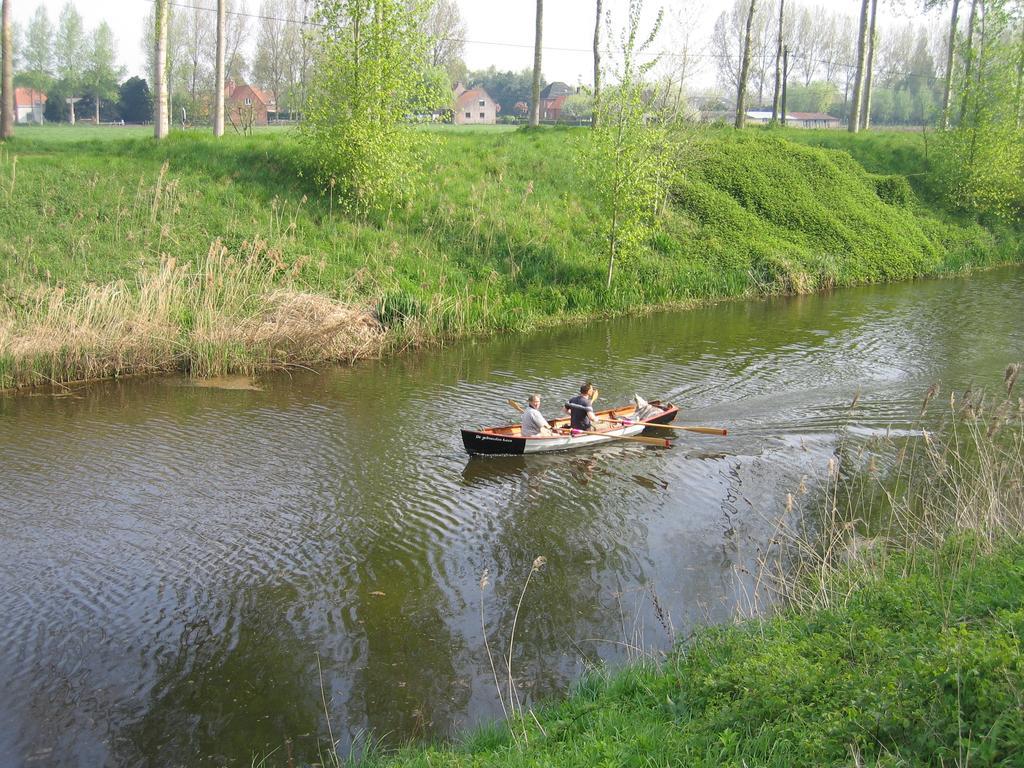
x=509 y=440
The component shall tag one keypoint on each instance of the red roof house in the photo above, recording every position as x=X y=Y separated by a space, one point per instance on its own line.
x=29 y=105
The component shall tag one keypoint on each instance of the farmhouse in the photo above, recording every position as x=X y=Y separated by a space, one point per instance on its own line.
x=474 y=106
x=552 y=99
x=247 y=105
x=29 y=105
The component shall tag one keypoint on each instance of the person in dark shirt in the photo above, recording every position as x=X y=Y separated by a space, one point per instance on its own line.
x=581 y=409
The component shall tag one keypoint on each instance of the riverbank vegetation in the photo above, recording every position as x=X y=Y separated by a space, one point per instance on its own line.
x=895 y=639
x=500 y=236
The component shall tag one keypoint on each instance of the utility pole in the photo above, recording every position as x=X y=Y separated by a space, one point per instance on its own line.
x=741 y=92
x=160 y=113
x=778 y=64
x=7 y=77
x=535 y=103
x=218 y=116
x=597 y=67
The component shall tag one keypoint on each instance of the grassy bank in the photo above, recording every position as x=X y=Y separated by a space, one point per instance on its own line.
x=898 y=641
x=500 y=237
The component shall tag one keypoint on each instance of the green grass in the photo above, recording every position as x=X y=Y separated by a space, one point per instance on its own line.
x=502 y=235
x=921 y=667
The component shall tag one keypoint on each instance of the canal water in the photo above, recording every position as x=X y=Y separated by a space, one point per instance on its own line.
x=187 y=574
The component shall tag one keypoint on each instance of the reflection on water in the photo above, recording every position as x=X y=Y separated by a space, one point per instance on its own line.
x=182 y=566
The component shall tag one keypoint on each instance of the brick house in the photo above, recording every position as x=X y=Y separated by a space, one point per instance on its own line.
x=29 y=105
x=474 y=106
x=552 y=99
x=248 y=105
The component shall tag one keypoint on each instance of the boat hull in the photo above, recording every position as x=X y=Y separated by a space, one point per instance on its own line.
x=502 y=441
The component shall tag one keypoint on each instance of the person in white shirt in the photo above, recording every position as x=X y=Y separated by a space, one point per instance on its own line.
x=534 y=423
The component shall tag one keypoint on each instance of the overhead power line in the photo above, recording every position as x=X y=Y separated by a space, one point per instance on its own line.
x=504 y=44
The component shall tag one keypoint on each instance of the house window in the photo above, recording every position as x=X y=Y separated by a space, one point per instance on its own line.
x=483 y=115
x=248 y=101
x=482 y=103
x=469 y=115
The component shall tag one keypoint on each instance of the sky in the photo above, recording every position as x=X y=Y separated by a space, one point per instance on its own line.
x=499 y=32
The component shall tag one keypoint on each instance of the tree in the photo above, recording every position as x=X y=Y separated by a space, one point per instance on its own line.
x=447 y=32
x=298 y=58
x=979 y=162
x=777 y=98
x=535 y=92
x=101 y=74
x=7 y=76
x=866 y=110
x=218 y=81
x=595 y=119
x=627 y=160
x=741 y=90
x=134 y=101
x=237 y=33
x=37 y=52
x=160 y=21
x=70 y=53
x=862 y=55
x=196 y=64
x=270 y=62
x=947 y=85
x=372 y=72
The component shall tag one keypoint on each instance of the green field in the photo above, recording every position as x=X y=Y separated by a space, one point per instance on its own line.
x=500 y=235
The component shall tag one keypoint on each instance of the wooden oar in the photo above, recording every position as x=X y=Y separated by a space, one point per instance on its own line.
x=516 y=405
x=698 y=430
x=661 y=442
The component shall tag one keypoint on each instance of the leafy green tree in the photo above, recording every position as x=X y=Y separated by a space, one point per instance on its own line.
x=37 y=52
x=373 y=74
x=979 y=163
x=627 y=159
x=70 y=53
x=135 y=102
x=102 y=73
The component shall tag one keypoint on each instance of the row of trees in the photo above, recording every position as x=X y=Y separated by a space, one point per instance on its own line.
x=281 y=64
x=66 y=61
x=906 y=85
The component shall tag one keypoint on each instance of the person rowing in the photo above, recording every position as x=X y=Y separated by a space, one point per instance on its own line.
x=581 y=410
x=534 y=423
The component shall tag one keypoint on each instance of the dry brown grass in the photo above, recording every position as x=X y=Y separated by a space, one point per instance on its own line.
x=229 y=313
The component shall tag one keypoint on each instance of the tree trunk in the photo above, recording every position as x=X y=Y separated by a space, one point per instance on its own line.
x=785 y=81
x=1020 y=82
x=741 y=91
x=161 y=112
x=862 y=55
x=218 y=109
x=776 y=102
x=535 y=104
x=969 y=58
x=72 y=113
x=947 y=88
x=97 y=109
x=7 y=75
x=866 y=111
x=597 y=67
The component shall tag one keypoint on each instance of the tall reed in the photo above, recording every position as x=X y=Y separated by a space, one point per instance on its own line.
x=238 y=312
x=959 y=473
